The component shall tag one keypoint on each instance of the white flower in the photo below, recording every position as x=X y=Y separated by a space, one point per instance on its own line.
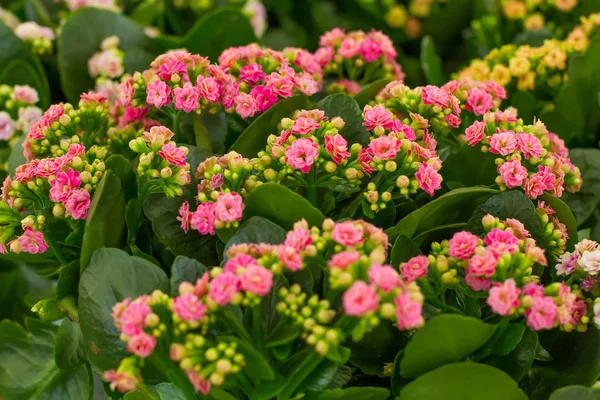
x=590 y=262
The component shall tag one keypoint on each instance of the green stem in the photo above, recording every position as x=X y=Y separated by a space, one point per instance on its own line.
x=256 y=326
x=176 y=116
x=306 y=367
x=51 y=240
x=138 y=207
x=311 y=189
x=175 y=374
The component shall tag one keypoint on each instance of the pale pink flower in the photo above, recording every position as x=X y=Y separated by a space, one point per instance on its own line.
x=567 y=263
x=495 y=89
x=257 y=279
x=462 y=245
x=252 y=73
x=121 y=381
x=200 y=385
x=504 y=298
x=408 y=312
x=360 y=299
x=365 y=160
x=349 y=47
x=483 y=265
x=414 y=268
x=185 y=217
x=529 y=145
x=370 y=50
x=189 y=308
x=230 y=92
x=298 y=238
x=384 y=147
x=229 y=207
x=173 y=155
x=547 y=176
x=435 y=96
x=171 y=67
x=141 y=344
x=25 y=94
x=542 y=314
x=239 y=263
x=452 y=120
x=399 y=127
x=223 y=287
x=203 y=219
x=246 y=105
x=302 y=154
x=503 y=143
x=479 y=101
x=517 y=228
x=78 y=203
x=290 y=257
x=306 y=84
x=475 y=133
x=477 y=282
x=347 y=234
x=512 y=173
x=157 y=136
x=332 y=38
x=126 y=92
x=429 y=179
x=378 y=116
x=208 y=88
x=337 y=147
x=590 y=262
x=344 y=259
x=304 y=126
x=63 y=185
x=535 y=186
x=324 y=55
x=280 y=85
x=186 y=98
x=7 y=126
x=158 y=94
x=32 y=242
x=384 y=277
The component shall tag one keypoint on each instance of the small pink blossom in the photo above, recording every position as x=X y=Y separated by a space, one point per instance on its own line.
x=32 y=242
x=185 y=217
x=477 y=282
x=280 y=85
x=78 y=203
x=529 y=145
x=304 y=126
x=257 y=279
x=567 y=263
x=290 y=257
x=517 y=228
x=189 y=308
x=414 y=268
x=383 y=276
x=452 y=120
x=483 y=265
x=399 y=127
x=229 y=207
x=246 y=105
x=337 y=147
x=534 y=186
x=141 y=344
x=378 y=116
x=533 y=290
x=365 y=160
x=252 y=73
x=344 y=259
x=512 y=173
x=542 y=314
x=475 y=133
x=503 y=143
x=203 y=219
x=496 y=90
x=370 y=50
x=64 y=184
x=239 y=263
x=502 y=241
x=462 y=245
x=134 y=317
x=302 y=154
x=324 y=55
x=479 y=101
x=171 y=67
x=384 y=147
x=173 y=155
x=429 y=179
x=121 y=381
x=349 y=47
x=360 y=299
x=186 y=98
x=200 y=385
x=435 y=96
x=158 y=94
x=504 y=298
x=408 y=312
x=208 y=88
x=347 y=234
x=306 y=84
x=332 y=38
x=25 y=94
x=223 y=287
x=298 y=238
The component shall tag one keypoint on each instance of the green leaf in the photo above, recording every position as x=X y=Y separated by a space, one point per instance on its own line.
x=443 y=210
x=163 y=213
x=80 y=38
x=525 y=104
x=403 y=250
x=584 y=202
x=509 y=339
x=69 y=351
x=148 y=11
x=444 y=339
x=431 y=62
x=463 y=381
x=469 y=166
x=356 y=393
x=112 y=276
x=575 y=392
x=28 y=370
x=168 y=391
x=564 y=215
x=122 y=168
x=16 y=157
x=68 y=280
x=281 y=205
x=185 y=270
x=105 y=223
x=257 y=367
x=254 y=138
x=257 y=230
x=518 y=362
x=369 y=92
x=533 y=38
x=21 y=72
x=224 y=27
x=343 y=106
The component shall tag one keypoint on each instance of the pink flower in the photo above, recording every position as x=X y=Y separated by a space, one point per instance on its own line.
x=414 y=268
x=547 y=177
x=337 y=147
x=502 y=241
x=462 y=245
x=344 y=259
x=158 y=94
x=365 y=160
x=347 y=234
x=302 y=154
x=533 y=290
x=78 y=203
x=479 y=101
x=229 y=207
x=475 y=133
x=428 y=178
x=324 y=55
x=64 y=184
x=171 y=67
x=280 y=85
x=517 y=227
x=332 y=38
x=299 y=238
x=503 y=142
x=252 y=73
x=384 y=277
x=134 y=318
x=535 y=186
x=484 y=265
x=378 y=116
x=304 y=126
x=477 y=282
x=399 y=127
x=290 y=257
x=349 y=47
x=503 y=298
x=173 y=155
x=122 y=381
x=240 y=262
x=141 y=344
x=203 y=219
x=189 y=308
x=126 y=92
x=495 y=89
x=230 y=92
x=257 y=279
x=185 y=216
x=384 y=147
x=370 y=50
x=408 y=312
x=512 y=173
x=360 y=299
x=529 y=145
x=542 y=313
x=246 y=105
x=200 y=385
x=186 y=98
x=223 y=287
x=208 y=88
x=25 y=94
x=32 y=242
x=306 y=84
x=434 y=95
x=452 y=120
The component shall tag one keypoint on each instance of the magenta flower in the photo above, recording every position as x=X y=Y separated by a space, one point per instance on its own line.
x=252 y=73
x=203 y=219
x=504 y=298
x=370 y=50
x=429 y=179
x=223 y=287
x=186 y=98
x=360 y=299
x=78 y=203
x=462 y=245
x=408 y=312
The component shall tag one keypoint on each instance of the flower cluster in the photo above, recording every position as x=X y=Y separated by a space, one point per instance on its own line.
x=402 y=152
x=358 y=57
x=533 y=14
x=40 y=39
x=501 y=264
x=107 y=66
x=583 y=264
x=162 y=167
x=59 y=187
x=17 y=111
x=528 y=156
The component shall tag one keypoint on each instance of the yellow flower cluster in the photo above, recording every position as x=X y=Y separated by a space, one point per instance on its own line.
x=533 y=12
x=526 y=67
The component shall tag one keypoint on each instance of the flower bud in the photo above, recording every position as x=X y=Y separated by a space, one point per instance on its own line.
x=338 y=123
x=178 y=351
x=403 y=181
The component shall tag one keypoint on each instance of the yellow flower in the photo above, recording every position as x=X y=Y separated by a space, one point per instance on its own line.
x=535 y=22
x=519 y=66
x=396 y=16
x=478 y=70
x=524 y=51
x=556 y=59
x=577 y=40
x=500 y=74
x=526 y=82
x=514 y=10
x=420 y=8
x=565 y=5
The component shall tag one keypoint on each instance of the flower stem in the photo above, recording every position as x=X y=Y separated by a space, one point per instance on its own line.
x=176 y=375
x=256 y=326
x=51 y=240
